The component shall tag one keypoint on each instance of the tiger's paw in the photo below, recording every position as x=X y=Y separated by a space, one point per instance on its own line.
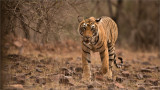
x=86 y=81
x=86 y=77
x=108 y=76
x=104 y=70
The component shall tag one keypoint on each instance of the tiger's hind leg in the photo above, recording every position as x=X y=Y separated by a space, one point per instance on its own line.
x=111 y=50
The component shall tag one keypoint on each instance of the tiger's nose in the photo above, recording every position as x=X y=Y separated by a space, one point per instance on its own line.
x=87 y=38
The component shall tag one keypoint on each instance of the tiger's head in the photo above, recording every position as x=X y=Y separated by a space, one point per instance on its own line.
x=88 y=29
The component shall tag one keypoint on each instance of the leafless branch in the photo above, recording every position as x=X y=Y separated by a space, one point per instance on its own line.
x=26 y=24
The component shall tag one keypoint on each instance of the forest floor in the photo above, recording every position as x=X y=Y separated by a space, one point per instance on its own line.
x=59 y=68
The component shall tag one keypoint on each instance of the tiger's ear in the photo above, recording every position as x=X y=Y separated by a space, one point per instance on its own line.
x=80 y=18
x=97 y=20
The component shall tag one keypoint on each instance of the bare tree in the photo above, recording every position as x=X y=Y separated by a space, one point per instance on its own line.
x=45 y=21
x=118 y=9
x=159 y=28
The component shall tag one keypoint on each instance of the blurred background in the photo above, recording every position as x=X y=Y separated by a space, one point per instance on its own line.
x=41 y=45
x=52 y=21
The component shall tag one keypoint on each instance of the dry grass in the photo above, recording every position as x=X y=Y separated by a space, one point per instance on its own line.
x=41 y=69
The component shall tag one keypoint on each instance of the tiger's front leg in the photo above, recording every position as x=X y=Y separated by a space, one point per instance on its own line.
x=86 y=64
x=105 y=62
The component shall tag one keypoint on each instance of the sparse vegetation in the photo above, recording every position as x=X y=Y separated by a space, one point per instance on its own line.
x=42 y=51
x=59 y=68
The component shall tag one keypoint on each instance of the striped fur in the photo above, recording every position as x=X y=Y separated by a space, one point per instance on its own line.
x=98 y=35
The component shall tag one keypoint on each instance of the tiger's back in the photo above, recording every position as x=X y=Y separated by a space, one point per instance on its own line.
x=110 y=29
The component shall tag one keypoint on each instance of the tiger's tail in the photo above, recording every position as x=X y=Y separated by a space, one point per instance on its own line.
x=121 y=63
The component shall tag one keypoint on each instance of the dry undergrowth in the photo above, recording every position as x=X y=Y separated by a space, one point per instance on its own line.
x=50 y=68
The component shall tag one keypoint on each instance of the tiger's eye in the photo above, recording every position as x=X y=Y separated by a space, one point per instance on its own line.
x=93 y=26
x=84 y=25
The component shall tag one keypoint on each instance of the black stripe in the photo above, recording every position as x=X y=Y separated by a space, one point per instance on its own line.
x=111 y=59
x=120 y=58
x=102 y=57
x=87 y=60
x=111 y=54
x=118 y=66
x=86 y=46
x=109 y=44
x=115 y=63
x=110 y=49
x=97 y=40
x=102 y=51
x=100 y=46
x=86 y=51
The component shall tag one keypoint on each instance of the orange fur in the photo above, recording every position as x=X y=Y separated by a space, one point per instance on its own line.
x=103 y=42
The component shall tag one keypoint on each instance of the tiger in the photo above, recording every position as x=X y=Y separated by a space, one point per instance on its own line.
x=98 y=35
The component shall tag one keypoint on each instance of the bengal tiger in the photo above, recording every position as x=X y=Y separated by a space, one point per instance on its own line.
x=98 y=35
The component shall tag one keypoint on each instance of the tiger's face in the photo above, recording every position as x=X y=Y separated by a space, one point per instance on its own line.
x=88 y=29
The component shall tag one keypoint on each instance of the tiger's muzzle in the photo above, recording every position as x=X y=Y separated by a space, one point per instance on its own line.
x=90 y=40
x=87 y=39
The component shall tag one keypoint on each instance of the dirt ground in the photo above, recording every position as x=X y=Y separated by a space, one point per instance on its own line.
x=34 y=67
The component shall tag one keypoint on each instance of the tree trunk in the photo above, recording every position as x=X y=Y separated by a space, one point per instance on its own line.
x=110 y=8
x=159 y=30
x=25 y=28
x=118 y=9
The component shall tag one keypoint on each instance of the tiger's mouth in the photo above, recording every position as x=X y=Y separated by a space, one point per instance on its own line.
x=86 y=41
x=90 y=41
